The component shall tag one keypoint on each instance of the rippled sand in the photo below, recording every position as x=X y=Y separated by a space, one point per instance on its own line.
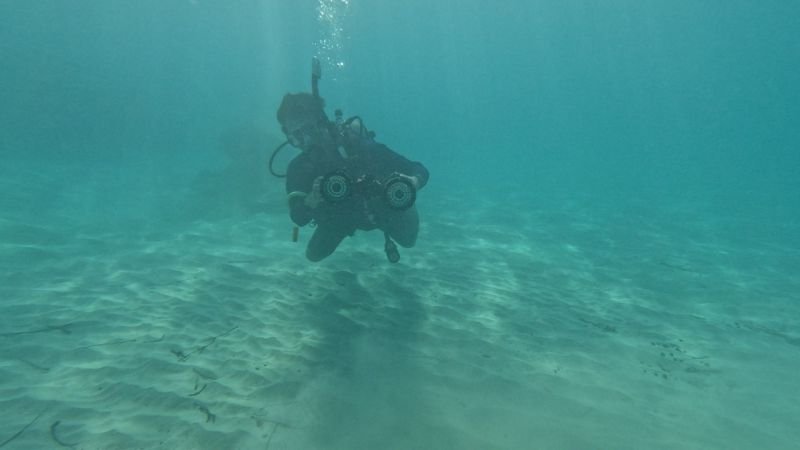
x=568 y=327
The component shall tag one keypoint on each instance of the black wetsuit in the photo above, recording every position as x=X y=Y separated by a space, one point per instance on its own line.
x=335 y=221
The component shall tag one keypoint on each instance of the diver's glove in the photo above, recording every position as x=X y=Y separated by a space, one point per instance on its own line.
x=314 y=198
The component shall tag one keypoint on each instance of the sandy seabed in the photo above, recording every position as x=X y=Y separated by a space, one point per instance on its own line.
x=557 y=327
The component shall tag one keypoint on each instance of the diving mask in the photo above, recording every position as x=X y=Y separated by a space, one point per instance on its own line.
x=302 y=135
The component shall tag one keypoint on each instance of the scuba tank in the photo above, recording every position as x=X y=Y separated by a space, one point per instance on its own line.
x=352 y=131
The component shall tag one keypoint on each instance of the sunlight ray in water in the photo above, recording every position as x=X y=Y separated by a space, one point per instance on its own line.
x=330 y=45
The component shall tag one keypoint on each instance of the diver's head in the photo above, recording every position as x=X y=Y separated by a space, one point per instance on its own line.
x=303 y=120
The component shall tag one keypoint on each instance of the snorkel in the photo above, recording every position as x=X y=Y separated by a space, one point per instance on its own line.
x=316 y=74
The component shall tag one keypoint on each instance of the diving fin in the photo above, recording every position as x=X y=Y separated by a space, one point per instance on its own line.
x=392 y=254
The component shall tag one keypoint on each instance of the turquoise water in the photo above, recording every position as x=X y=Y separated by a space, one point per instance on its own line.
x=609 y=242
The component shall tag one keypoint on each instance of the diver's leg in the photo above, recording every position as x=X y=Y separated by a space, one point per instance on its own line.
x=403 y=226
x=324 y=241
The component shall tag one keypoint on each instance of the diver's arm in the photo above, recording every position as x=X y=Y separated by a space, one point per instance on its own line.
x=404 y=166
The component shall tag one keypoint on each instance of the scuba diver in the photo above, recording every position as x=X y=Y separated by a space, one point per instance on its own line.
x=344 y=180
